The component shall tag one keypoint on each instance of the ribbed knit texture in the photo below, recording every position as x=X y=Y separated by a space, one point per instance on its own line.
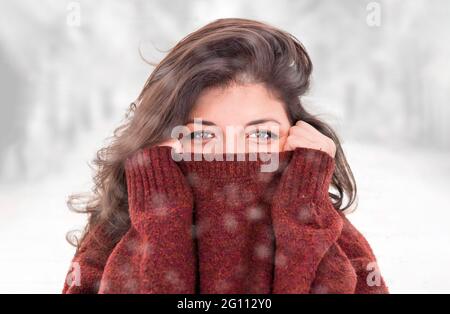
x=226 y=227
x=233 y=224
x=306 y=226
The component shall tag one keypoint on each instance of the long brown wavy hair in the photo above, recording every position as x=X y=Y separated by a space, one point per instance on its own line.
x=223 y=52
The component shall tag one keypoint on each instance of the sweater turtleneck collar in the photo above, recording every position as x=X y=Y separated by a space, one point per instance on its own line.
x=234 y=166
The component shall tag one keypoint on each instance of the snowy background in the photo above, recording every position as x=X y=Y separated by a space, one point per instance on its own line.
x=69 y=70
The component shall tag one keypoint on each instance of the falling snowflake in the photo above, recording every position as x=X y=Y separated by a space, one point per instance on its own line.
x=125 y=268
x=104 y=285
x=159 y=204
x=262 y=251
x=280 y=260
x=131 y=286
x=230 y=222
x=222 y=286
x=174 y=279
x=304 y=214
x=264 y=177
x=319 y=289
x=254 y=213
x=131 y=245
x=146 y=248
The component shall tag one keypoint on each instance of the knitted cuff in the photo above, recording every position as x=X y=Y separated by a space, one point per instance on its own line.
x=155 y=183
x=89 y=261
x=308 y=176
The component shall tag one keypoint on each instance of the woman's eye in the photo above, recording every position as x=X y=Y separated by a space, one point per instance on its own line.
x=201 y=135
x=263 y=135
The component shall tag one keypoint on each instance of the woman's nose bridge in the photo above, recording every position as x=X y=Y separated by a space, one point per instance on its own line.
x=233 y=137
x=234 y=131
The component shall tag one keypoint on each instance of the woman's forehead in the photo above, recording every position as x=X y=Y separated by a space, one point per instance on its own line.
x=239 y=105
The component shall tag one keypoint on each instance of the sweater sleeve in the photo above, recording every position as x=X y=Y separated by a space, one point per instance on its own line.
x=313 y=240
x=156 y=189
x=158 y=248
x=305 y=223
x=160 y=210
x=87 y=265
x=364 y=262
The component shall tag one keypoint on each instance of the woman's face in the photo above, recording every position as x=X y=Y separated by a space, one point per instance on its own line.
x=237 y=119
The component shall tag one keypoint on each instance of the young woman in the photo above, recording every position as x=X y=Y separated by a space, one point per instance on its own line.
x=166 y=219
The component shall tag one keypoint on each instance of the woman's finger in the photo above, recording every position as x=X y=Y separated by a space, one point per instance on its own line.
x=308 y=127
x=301 y=131
x=292 y=142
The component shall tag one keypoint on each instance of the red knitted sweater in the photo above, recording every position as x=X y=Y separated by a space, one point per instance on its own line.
x=226 y=227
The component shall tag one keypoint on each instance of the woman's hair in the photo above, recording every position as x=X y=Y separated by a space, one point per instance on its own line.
x=221 y=53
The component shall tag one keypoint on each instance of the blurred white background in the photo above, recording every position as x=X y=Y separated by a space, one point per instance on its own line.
x=69 y=70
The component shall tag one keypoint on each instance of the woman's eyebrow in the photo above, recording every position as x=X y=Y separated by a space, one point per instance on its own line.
x=200 y=121
x=258 y=121
x=261 y=121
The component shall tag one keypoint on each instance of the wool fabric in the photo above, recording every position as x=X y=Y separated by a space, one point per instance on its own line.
x=224 y=226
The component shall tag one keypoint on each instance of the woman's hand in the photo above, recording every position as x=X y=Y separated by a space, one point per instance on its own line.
x=303 y=134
